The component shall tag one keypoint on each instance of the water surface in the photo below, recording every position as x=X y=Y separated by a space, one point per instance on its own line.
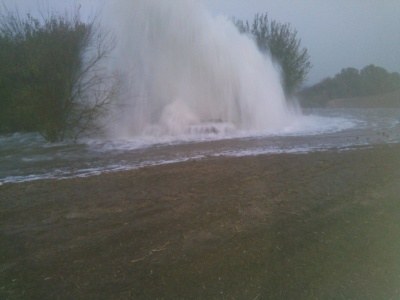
x=25 y=157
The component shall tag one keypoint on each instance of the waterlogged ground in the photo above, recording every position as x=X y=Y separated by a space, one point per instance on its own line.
x=25 y=157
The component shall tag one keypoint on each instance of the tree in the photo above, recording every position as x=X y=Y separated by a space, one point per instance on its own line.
x=377 y=80
x=281 y=42
x=350 y=82
x=55 y=76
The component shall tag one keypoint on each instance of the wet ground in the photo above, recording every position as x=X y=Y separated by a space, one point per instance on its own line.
x=25 y=157
x=321 y=225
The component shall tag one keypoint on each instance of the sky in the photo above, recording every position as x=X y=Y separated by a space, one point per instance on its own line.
x=336 y=33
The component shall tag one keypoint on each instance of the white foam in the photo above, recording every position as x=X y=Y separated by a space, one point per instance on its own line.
x=313 y=124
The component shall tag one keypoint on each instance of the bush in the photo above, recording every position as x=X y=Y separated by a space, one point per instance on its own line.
x=53 y=80
x=350 y=82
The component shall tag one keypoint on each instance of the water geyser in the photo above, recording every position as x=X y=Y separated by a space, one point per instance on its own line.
x=188 y=72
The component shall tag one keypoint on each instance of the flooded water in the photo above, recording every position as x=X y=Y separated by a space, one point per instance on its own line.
x=25 y=157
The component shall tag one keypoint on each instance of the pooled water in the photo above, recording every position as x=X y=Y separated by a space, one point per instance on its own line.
x=25 y=157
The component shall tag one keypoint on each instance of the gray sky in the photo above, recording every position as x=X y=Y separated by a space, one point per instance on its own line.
x=337 y=33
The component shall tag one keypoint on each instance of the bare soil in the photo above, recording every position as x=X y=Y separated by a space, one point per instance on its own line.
x=290 y=226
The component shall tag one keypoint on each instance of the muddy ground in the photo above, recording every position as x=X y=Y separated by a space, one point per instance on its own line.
x=289 y=226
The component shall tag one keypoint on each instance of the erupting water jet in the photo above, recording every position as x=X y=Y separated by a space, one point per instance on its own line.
x=191 y=73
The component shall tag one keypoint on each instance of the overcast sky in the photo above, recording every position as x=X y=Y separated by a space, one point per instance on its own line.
x=337 y=33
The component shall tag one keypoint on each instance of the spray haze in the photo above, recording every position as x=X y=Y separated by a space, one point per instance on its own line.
x=189 y=72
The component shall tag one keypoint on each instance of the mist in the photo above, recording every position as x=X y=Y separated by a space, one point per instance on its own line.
x=188 y=72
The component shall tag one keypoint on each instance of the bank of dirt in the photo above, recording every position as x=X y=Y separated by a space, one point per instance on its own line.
x=388 y=100
x=290 y=226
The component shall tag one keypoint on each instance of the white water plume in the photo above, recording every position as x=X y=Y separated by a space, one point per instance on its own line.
x=189 y=72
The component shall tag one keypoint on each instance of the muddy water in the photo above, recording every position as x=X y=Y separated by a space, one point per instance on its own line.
x=25 y=157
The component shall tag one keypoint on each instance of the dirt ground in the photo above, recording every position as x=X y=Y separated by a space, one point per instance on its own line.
x=388 y=100
x=289 y=226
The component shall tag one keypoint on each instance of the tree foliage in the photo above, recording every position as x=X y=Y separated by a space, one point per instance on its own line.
x=281 y=42
x=52 y=79
x=351 y=82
